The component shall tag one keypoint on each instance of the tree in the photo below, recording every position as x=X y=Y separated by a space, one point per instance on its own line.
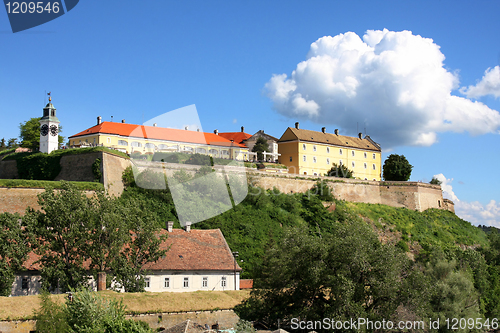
x=3 y=146
x=397 y=167
x=260 y=146
x=30 y=134
x=12 y=143
x=342 y=275
x=435 y=181
x=142 y=247
x=14 y=248
x=340 y=171
x=62 y=228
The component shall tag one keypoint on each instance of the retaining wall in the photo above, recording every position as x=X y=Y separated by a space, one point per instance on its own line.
x=225 y=318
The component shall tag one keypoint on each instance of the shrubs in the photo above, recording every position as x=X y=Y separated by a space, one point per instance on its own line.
x=340 y=171
x=87 y=312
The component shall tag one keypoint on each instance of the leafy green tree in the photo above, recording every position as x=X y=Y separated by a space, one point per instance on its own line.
x=51 y=316
x=12 y=143
x=345 y=274
x=30 y=134
x=260 y=146
x=14 y=248
x=143 y=246
x=3 y=146
x=435 y=181
x=340 y=171
x=397 y=167
x=62 y=228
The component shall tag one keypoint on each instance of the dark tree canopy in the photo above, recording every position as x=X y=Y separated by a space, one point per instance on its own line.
x=260 y=147
x=397 y=167
x=435 y=181
x=340 y=171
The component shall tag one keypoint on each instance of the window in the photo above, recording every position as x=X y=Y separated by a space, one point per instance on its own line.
x=374 y=167
x=353 y=164
x=204 y=283
x=340 y=151
x=201 y=150
x=365 y=155
x=87 y=140
x=328 y=150
x=148 y=282
x=290 y=158
x=365 y=166
x=150 y=145
x=352 y=152
x=328 y=161
x=135 y=144
x=366 y=178
x=304 y=158
x=166 y=283
x=373 y=156
x=162 y=146
x=314 y=148
x=94 y=140
x=213 y=152
x=315 y=173
x=303 y=147
x=24 y=283
x=122 y=143
x=314 y=159
x=223 y=282
x=109 y=140
x=186 y=282
x=340 y=162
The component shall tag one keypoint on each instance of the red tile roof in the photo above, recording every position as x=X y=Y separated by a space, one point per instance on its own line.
x=158 y=133
x=237 y=137
x=195 y=250
x=205 y=250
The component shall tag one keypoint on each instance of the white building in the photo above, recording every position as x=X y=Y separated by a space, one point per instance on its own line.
x=195 y=260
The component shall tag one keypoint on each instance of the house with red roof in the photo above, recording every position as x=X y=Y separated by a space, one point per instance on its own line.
x=195 y=260
x=130 y=138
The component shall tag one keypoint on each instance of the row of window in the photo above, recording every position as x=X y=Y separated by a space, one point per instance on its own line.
x=185 y=282
x=304 y=158
x=340 y=151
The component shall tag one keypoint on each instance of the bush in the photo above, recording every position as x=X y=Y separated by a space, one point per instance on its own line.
x=340 y=171
x=435 y=181
x=397 y=167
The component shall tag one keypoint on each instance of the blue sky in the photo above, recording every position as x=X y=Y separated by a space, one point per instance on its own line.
x=136 y=60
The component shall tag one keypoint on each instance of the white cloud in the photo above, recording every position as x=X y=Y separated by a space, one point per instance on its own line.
x=489 y=85
x=394 y=83
x=474 y=212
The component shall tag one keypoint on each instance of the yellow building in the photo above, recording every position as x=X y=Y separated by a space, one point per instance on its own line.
x=130 y=138
x=308 y=152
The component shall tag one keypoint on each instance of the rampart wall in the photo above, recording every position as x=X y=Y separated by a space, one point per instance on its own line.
x=412 y=195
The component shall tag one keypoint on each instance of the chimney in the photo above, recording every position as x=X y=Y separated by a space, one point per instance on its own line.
x=186 y=128
x=360 y=135
x=216 y=132
x=323 y=129
x=297 y=125
x=188 y=226
x=336 y=131
x=242 y=129
x=197 y=130
x=155 y=124
x=170 y=226
x=123 y=121
x=99 y=120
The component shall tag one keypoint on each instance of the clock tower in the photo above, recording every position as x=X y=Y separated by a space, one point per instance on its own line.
x=49 y=129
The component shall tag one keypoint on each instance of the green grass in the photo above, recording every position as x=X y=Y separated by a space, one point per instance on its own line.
x=434 y=227
x=24 y=183
x=7 y=151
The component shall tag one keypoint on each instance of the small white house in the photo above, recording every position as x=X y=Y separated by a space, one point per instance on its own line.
x=195 y=260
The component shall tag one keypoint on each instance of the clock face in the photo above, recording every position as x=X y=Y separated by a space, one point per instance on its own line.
x=44 y=130
x=53 y=130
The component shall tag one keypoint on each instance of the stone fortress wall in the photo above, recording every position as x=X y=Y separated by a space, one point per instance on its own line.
x=412 y=195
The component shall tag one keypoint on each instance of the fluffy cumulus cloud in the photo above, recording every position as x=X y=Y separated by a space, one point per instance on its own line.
x=393 y=83
x=474 y=212
x=489 y=85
